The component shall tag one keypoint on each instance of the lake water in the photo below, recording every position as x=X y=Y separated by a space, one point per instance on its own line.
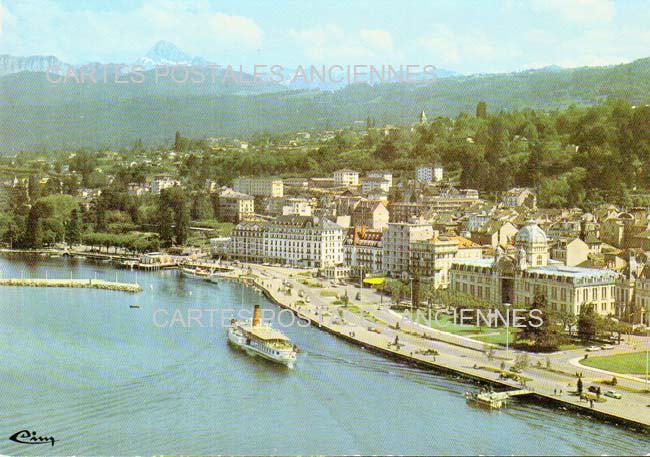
x=82 y=366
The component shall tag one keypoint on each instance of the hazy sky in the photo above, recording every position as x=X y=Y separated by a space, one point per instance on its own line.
x=462 y=35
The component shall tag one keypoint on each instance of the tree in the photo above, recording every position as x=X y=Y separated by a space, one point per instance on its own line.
x=481 y=110
x=165 y=228
x=34 y=188
x=33 y=236
x=178 y=141
x=182 y=219
x=201 y=207
x=588 y=322
x=73 y=228
x=521 y=361
x=175 y=199
x=568 y=320
x=547 y=336
x=13 y=232
x=84 y=163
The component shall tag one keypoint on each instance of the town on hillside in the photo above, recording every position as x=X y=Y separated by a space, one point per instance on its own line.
x=408 y=203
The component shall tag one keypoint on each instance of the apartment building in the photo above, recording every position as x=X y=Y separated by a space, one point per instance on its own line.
x=247 y=242
x=371 y=214
x=346 y=177
x=235 y=206
x=432 y=258
x=396 y=245
x=427 y=173
x=363 y=250
x=259 y=186
x=381 y=174
x=518 y=197
x=375 y=185
x=162 y=182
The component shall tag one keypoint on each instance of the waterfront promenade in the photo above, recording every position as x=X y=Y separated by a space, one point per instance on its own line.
x=72 y=283
x=374 y=327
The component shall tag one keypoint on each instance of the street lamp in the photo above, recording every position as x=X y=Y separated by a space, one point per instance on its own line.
x=507 y=305
x=411 y=279
x=647 y=352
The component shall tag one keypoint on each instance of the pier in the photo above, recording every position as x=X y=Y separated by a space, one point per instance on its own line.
x=72 y=283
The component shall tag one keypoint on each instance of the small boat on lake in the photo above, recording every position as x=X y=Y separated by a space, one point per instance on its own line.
x=196 y=273
x=134 y=306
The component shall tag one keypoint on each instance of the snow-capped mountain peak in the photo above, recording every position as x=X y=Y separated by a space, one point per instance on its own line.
x=165 y=53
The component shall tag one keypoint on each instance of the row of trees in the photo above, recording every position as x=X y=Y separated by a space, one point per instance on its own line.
x=130 y=242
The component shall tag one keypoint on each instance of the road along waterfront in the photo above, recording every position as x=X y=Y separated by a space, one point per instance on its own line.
x=375 y=329
x=80 y=365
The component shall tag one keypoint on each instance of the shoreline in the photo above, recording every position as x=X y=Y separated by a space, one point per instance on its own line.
x=371 y=341
x=455 y=371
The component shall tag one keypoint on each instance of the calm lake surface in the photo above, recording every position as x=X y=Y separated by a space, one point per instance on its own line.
x=80 y=365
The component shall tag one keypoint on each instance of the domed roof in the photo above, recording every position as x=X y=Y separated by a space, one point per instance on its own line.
x=530 y=233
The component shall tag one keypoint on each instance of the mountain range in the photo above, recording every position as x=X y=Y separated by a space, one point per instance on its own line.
x=35 y=113
x=10 y=64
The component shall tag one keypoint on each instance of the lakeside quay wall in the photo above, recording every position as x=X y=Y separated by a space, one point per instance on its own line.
x=455 y=371
x=72 y=283
x=361 y=340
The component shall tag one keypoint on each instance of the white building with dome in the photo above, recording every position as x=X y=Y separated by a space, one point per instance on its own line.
x=528 y=274
x=532 y=242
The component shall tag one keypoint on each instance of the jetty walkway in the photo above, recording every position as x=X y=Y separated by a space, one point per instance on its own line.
x=73 y=283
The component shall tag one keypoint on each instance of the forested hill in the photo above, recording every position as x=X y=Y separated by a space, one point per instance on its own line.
x=35 y=114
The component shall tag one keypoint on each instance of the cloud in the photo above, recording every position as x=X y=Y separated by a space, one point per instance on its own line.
x=595 y=12
x=6 y=18
x=331 y=43
x=239 y=28
x=79 y=35
x=199 y=18
x=447 y=47
x=378 y=39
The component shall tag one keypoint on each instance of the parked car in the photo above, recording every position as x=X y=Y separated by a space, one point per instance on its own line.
x=592 y=349
x=515 y=369
x=606 y=347
x=613 y=394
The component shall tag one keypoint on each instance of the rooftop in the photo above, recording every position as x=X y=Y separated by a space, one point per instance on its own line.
x=572 y=272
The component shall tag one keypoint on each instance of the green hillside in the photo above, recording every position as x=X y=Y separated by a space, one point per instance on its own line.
x=34 y=112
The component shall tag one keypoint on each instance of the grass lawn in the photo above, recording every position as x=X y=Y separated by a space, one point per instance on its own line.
x=446 y=323
x=500 y=337
x=570 y=346
x=328 y=293
x=630 y=363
